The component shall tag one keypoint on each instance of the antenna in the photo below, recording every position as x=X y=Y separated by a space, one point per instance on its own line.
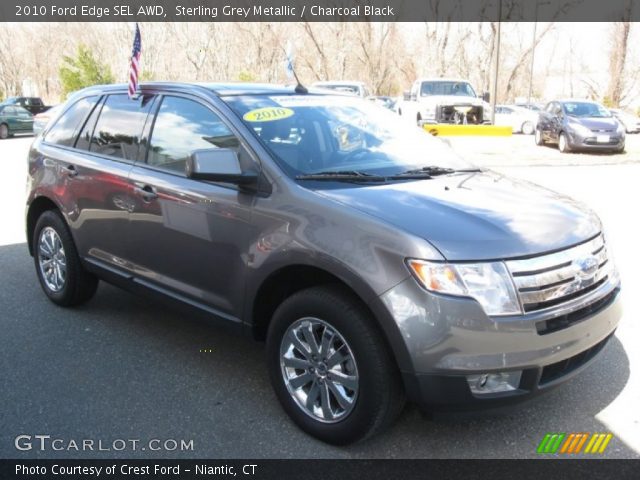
x=299 y=87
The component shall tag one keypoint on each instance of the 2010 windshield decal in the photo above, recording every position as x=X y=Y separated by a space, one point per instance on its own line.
x=267 y=114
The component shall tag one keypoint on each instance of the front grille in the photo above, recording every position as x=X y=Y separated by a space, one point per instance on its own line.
x=449 y=114
x=551 y=325
x=560 y=369
x=594 y=141
x=549 y=280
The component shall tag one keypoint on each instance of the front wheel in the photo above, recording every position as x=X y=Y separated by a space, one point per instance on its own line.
x=563 y=143
x=330 y=367
x=4 y=131
x=538 y=137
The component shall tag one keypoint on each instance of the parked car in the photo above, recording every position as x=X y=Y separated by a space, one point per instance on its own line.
x=521 y=120
x=376 y=263
x=580 y=125
x=535 y=107
x=34 y=105
x=41 y=120
x=14 y=119
x=384 y=101
x=351 y=87
x=631 y=122
x=445 y=100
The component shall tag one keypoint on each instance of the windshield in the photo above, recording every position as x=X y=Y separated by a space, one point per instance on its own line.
x=322 y=133
x=585 y=109
x=447 y=88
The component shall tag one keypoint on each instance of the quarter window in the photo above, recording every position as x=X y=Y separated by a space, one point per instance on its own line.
x=182 y=126
x=119 y=128
x=66 y=127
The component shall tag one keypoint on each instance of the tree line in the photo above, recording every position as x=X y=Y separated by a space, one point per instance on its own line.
x=53 y=59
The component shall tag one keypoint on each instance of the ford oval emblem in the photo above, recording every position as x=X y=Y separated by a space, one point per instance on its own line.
x=586 y=267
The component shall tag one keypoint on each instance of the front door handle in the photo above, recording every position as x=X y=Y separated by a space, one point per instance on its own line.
x=71 y=171
x=147 y=192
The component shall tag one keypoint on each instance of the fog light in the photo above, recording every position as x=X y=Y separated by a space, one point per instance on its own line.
x=485 y=383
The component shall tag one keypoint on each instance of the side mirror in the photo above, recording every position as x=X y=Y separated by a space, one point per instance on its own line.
x=218 y=165
x=406 y=95
x=486 y=97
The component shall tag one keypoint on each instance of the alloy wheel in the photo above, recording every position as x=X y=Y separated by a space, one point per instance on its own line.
x=52 y=259
x=319 y=370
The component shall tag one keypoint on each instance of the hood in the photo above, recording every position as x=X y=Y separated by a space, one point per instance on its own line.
x=451 y=100
x=593 y=123
x=476 y=216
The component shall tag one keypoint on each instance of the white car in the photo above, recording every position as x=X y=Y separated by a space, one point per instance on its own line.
x=521 y=120
x=630 y=122
x=356 y=88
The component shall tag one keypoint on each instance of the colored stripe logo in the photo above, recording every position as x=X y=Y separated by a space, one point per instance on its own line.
x=573 y=443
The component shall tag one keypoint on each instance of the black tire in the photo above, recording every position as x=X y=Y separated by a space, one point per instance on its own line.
x=563 y=143
x=4 y=131
x=419 y=120
x=380 y=395
x=79 y=285
x=538 y=137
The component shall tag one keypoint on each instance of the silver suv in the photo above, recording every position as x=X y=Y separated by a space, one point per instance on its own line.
x=376 y=264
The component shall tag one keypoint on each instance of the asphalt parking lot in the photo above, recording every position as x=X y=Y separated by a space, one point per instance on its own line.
x=123 y=367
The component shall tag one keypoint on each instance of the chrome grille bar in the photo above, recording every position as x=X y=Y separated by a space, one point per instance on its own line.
x=551 y=279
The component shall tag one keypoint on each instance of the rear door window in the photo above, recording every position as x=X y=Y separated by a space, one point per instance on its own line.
x=66 y=128
x=119 y=127
x=182 y=126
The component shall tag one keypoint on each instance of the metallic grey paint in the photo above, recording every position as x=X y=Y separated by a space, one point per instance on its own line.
x=214 y=245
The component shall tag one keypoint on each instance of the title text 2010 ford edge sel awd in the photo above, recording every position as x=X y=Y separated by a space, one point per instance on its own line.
x=377 y=265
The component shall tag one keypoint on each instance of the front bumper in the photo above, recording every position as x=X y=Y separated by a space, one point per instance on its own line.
x=449 y=338
x=591 y=143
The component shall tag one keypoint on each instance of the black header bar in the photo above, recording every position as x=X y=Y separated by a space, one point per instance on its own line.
x=318 y=10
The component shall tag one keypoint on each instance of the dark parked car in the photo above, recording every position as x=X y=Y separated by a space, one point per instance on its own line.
x=34 y=105
x=14 y=119
x=376 y=264
x=579 y=125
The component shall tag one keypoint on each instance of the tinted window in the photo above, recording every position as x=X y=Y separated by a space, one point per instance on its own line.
x=66 y=127
x=118 y=131
x=183 y=126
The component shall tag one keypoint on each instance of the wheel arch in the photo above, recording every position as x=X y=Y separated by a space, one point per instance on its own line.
x=36 y=208
x=287 y=280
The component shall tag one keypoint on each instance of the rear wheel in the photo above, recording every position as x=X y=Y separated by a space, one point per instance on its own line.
x=4 y=131
x=330 y=367
x=61 y=275
x=528 y=128
x=563 y=143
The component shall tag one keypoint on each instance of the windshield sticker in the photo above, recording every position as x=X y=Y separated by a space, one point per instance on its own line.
x=267 y=114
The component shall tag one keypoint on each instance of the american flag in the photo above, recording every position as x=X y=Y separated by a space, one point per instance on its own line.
x=134 y=68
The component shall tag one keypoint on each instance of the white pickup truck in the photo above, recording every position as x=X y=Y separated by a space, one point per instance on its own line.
x=445 y=100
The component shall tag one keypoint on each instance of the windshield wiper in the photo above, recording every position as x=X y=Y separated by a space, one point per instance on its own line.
x=349 y=175
x=433 y=170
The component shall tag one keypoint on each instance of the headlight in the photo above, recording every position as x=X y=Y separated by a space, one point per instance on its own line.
x=581 y=130
x=488 y=283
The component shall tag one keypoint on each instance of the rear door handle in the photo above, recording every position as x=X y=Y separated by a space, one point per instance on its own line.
x=71 y=171
x=147 y=192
